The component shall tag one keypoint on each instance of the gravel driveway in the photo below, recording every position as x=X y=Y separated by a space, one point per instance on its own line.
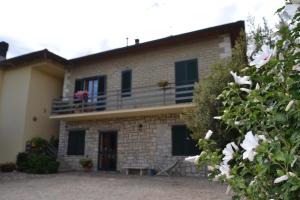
x=99 y=186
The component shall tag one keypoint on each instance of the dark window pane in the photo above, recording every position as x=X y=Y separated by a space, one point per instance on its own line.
x=182 y=143
x=76 y=142
x=78 y=85
x=101 y=93
x=126 y=83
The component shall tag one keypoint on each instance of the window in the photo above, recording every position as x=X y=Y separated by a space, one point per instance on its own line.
x=126 y=83
x=182 y=143
x=96 y=87
x=186 y=74
x=76 y=142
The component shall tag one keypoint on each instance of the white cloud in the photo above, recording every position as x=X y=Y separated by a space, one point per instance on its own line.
x=72 y=28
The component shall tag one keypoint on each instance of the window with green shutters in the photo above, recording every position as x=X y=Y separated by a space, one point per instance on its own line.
x=126 y=83
x=76 y=142
x=186 y=73
x=182 y=143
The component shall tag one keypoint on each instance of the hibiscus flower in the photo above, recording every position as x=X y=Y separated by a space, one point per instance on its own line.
x=262 y=57
x=249 y=144
x=241 y=80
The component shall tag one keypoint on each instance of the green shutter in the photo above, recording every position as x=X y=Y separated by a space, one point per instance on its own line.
x=182 y=143
x=78 y=85
x=126 y=83
x=76 y=142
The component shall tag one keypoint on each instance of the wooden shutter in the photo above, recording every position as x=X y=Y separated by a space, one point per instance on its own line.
x=126 y=83
x=182 y=143
x=102 y=93
x=191 y=71
x=178 y=138
x=101 y=85
x=76 y=142
x=186 y=73
x=78 y=85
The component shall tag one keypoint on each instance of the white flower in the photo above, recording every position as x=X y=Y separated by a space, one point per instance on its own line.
x=218 y=117
x=245 y=90
x=237 y=123
x=210 y=168
x=297 y=40
x=225 y=170
x=234 y=146
x=296 y=67
x=291 y=174
x=228 y=153
x=249 y=144
x=281 y=178
x=192 y=159
x=262 y=57
x=262 y=137
x=290 y=104
x=245 y=80
x=208 y=134
x=257 y=86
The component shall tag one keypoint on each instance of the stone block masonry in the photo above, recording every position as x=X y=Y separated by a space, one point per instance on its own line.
x=149 y=145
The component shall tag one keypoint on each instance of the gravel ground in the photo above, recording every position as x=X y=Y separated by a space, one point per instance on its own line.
x=100 y=186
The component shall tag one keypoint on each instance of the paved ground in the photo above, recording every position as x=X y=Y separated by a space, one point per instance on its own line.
x=99 y=186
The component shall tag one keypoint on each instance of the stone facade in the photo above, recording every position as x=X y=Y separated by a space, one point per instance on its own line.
x=152 y=66
x=149 y=146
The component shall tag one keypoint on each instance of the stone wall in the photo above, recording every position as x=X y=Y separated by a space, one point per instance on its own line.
x=149 y=146
x=151 y=66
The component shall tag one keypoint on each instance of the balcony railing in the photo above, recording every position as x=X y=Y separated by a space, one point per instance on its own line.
x=114 y=100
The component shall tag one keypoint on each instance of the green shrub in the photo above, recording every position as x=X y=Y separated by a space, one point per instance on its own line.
x=41 y=164
x=39 y=144
x=22 y=161
x=8 y=167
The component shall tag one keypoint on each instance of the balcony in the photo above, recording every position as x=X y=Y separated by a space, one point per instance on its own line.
x=139 y=101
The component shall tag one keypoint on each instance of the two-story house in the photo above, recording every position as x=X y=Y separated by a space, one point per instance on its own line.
x=121 y=107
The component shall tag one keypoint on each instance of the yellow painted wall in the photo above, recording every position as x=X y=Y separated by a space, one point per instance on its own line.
x=43 y=88
x=15 y=87
x=26 y=95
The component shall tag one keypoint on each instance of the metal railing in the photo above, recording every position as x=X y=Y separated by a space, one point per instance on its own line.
x=115 y=100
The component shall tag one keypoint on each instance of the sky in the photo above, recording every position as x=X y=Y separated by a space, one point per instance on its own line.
x=74 y=28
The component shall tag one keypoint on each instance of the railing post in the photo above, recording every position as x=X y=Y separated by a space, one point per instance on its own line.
x=118 y=99
x=82 y=105
x=164 y=89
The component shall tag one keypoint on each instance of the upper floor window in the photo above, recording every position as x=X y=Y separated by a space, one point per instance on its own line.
x=186 y=74
x=96 y=86
x=126 y=83
x=76 y=142
x=182 y=143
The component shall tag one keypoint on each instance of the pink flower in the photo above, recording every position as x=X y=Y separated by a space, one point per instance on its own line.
x=81 y=94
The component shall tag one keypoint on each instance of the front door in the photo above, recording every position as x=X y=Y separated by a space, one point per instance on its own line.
x=107 y=151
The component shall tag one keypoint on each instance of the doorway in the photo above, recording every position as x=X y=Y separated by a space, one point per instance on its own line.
x=107 y=157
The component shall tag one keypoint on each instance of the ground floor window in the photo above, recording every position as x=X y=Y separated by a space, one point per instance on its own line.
x=76 y=142
x=182 y=143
